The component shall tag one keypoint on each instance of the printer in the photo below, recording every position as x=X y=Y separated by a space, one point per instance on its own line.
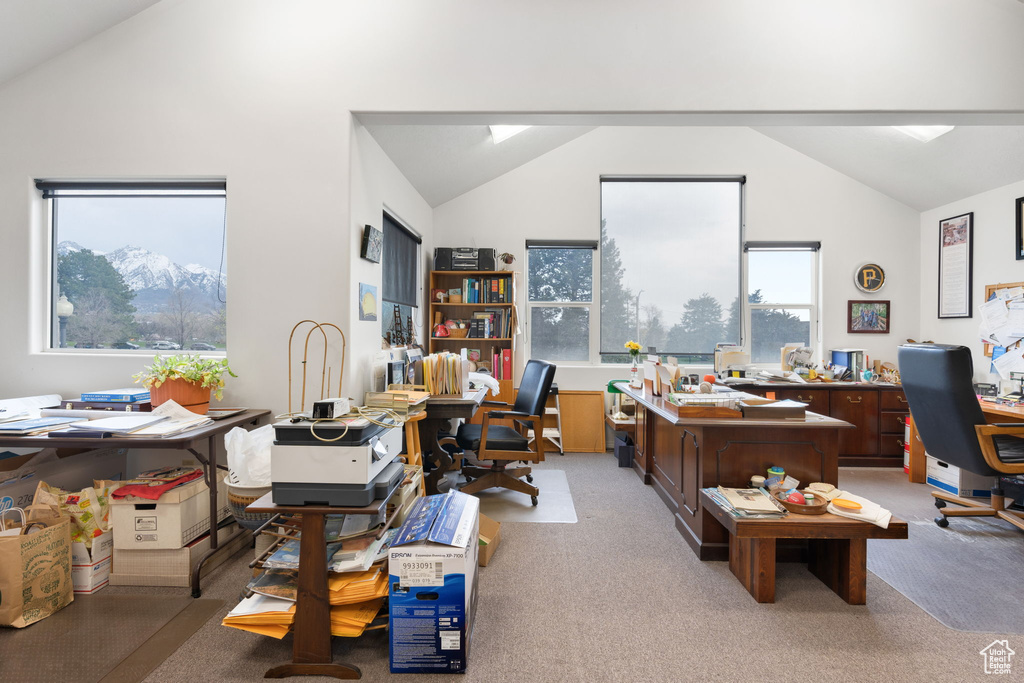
x=351 y=471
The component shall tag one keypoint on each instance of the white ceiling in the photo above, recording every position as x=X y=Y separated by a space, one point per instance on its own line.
x=444 y=158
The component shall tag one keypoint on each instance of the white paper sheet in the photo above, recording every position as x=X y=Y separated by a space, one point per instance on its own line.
x=1011 y=361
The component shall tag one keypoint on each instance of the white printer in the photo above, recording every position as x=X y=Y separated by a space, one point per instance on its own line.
x=351 y=471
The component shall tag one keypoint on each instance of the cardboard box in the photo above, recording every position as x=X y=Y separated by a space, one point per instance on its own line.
x=490 y=537
x=179 y=517
x=952 y=479
x=171 y=567
x=433 y=585
x=408 y=494
x=90 y=567
x=20 y=474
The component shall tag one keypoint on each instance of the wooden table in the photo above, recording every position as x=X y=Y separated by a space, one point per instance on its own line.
x=440 y=409
x=311 y=643
x=628 y=425
x=189 y=441
x=837 y=549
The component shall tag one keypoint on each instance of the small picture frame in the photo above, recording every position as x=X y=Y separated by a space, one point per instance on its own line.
x=373 y=244
x=868 y=317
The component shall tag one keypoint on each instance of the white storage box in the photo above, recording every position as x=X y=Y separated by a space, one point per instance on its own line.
x=90 y=567
x=171 y=567
x=432 y=569
x=952 y=479
x=179 y=517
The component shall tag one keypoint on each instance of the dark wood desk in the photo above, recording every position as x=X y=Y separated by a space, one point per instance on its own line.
x=678 y=456
x=311 y=642
x=837 y=551
x=440 y=409
x=190 y=441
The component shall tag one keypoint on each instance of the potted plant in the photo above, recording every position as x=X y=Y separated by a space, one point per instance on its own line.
x=507 y=259
x=186 y=379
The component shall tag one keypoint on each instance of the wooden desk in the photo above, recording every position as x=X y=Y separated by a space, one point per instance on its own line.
x=439 y=411
x=189 y=441
x=994 y=412
x=628 y=426
x=837 y=550
x=311 y=641
x=679 y=456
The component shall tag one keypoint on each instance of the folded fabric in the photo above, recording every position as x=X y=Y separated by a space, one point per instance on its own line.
x=483 y=379
x=154 y=492
x=869 y=512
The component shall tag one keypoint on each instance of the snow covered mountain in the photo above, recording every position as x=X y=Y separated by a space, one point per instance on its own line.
x=154 y=277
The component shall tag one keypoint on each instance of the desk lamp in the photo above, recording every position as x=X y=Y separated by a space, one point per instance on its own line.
x=615 y=391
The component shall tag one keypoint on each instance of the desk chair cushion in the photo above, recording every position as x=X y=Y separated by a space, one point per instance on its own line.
x=1010 y=448
x=499 y=438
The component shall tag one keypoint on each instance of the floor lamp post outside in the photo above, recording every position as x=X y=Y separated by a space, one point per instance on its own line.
x=64 y=310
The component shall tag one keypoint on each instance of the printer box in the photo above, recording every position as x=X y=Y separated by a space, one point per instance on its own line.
x=90 y=567
x=180 y=516
x=952 y=479
x=433 y=585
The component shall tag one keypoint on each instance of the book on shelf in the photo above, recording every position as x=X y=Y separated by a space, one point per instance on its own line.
x=116 y=395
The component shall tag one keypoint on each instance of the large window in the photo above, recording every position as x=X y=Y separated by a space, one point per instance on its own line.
x=137 y=265
x=670 y=265
x=560 y=296
x=400 y=278
x=782 y=296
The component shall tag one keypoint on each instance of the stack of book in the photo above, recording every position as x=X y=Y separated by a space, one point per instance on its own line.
x=746 y=503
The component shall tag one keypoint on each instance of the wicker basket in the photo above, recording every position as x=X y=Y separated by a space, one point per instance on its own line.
x=458 y=332
x=240 y=497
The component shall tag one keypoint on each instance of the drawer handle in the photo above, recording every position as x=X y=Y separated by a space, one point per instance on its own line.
x=801 y=398
x=860 y=399
x=900 y=443
x=900 y=420
x=901 y=398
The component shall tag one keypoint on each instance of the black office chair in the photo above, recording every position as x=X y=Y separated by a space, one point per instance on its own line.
x=938 y=382
x=504 y=445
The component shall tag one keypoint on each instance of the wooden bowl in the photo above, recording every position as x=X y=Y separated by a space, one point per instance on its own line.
x=818 y=507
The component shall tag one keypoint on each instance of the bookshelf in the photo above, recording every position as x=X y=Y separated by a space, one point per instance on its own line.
x=485 y=305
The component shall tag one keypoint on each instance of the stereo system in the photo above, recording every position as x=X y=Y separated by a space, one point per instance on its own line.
x=464 y=258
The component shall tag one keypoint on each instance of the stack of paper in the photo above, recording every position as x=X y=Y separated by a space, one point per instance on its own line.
x=351 y=620
x=121 y=425
x=175 y=421
x=264 y=615
x=343 y=589
x=34 y=426
x=442 y=373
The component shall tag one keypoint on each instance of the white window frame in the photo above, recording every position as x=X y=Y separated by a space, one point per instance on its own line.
x=592 y=306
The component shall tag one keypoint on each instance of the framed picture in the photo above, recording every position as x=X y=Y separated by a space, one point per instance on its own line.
x=1020 y=228
x=367 y=301
x=868 y=317
x=373 y=244
x=956 y=254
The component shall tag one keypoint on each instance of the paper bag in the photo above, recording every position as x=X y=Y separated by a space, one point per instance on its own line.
x=89 y=509
x=35 y=571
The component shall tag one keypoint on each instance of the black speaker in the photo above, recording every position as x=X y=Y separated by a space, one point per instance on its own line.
x=443 y=258
x=486 y=259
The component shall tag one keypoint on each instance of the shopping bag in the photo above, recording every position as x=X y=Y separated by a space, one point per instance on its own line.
x=35 y=569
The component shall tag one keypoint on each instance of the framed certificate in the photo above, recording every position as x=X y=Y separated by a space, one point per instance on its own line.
x=956 y=253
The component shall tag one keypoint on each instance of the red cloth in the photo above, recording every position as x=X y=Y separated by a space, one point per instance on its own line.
x=156 y=489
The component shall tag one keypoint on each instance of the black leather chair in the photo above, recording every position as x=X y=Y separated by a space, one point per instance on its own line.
x=938 y=382
x=503 y=445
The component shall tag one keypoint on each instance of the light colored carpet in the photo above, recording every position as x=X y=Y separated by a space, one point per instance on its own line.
x=554 y=503
x=966 y=576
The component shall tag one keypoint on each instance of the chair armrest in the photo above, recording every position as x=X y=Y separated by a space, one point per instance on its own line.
x=988 y=446
x=503 y=414
x=495 y=403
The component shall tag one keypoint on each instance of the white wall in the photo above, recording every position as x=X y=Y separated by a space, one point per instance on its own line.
x=260 y=92
x=994 y=262
x=788 y=197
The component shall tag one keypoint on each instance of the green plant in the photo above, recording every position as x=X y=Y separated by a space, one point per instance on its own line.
x=207 y=372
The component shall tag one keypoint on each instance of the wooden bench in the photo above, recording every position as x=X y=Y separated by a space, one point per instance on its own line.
x=837 y=549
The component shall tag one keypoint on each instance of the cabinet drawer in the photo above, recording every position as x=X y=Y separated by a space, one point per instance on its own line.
x=890 y=444
x=859 y=408
x=893 y=423
x=816 y=399
x=893 y=400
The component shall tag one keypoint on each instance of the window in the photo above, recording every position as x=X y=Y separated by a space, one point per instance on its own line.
x=560 y=298
x=670 y=265
x=399 y=290
x=782 y=297
x=137 y=264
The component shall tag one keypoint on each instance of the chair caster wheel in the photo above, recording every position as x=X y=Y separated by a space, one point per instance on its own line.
x=939 y=503
x=533 y=499
x=529 y=478
x=942 y=522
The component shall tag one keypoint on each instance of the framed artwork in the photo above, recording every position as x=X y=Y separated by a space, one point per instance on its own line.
x=367 y=301
x=373 y=244
x=956 y=254
x=868 y=317
x=1020 y=228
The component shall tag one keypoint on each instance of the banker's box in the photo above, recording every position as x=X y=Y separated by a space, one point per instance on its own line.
x=20 y=474
x=180 y=516
x=433 y=585
x=90 y=567
x=952 y=479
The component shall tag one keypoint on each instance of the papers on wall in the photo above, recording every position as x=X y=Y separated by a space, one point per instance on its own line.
x=1002 y=326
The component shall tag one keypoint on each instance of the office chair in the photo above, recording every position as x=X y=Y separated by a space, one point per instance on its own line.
x=937 y=380
x=504 y=445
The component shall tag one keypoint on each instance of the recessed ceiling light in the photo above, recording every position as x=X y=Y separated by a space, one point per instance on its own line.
x=924 y=133
x=502 y=133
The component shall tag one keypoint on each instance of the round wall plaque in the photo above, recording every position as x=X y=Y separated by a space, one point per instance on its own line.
x=869 y=277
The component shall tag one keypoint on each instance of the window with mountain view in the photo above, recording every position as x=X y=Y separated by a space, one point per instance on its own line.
x=137 y=265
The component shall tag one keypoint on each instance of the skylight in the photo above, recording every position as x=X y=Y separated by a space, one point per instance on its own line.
x=502 y=133
x=924 y=133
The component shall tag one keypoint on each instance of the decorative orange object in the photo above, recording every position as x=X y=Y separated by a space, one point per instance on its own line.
x=188 y=395
x=844 y=504
x=710 y=379
x=441 y=330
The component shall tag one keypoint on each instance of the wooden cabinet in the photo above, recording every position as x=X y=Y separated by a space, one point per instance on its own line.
x=816 y=399
x=858 y=407
x=641 y=464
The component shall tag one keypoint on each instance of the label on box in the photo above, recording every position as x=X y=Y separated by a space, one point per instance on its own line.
x=144 y=538
x=420 y=573
x=145 y=523
x=451 y=640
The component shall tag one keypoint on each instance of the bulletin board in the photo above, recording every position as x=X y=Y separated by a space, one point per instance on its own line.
x=989 y=290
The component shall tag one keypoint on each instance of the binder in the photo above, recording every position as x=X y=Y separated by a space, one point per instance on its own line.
x=506 y=363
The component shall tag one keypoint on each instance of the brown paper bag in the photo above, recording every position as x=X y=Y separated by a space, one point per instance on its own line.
x=35 y=570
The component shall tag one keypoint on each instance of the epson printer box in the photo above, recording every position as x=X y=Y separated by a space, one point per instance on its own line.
x=433 y=576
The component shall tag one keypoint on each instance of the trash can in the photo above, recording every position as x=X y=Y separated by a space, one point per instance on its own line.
x=624 y=449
